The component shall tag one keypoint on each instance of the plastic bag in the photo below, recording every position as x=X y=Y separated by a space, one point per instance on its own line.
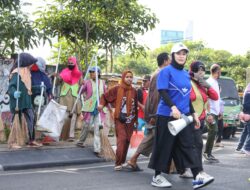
x=52 y=119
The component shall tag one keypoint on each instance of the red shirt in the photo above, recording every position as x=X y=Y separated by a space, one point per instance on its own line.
x=140 y=111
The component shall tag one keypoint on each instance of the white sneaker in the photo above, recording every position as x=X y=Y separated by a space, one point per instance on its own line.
x=201 y=180
x=240 y=151
x=187 y=174
x=246 y=152
x=160 y=181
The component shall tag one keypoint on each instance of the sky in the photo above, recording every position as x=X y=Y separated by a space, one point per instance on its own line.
x=221 y=24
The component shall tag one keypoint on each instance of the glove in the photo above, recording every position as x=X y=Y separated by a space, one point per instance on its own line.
x=17 y=94
x=204 y=83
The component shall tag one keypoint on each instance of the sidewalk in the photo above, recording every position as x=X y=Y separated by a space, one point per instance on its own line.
x=58 y=154
x=55 y=154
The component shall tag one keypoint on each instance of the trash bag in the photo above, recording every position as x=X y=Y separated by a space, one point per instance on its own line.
x=52 y=119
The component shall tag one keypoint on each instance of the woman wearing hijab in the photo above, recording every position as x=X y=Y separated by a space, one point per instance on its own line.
x=24 y=95
x=39 y=75
x=199 y=95
x=124 y=98
x=174 y=87
x=70 y=77
x=89 y=108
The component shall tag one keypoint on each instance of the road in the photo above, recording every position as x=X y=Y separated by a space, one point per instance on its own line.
x=231 y=173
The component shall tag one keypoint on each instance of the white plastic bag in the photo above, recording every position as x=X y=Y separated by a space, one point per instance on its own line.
x=52 y=119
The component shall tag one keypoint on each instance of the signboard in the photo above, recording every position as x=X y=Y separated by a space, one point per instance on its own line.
x=171 y=36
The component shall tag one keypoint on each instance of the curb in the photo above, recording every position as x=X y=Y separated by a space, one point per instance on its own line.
x=33 y=159
x=49 y=164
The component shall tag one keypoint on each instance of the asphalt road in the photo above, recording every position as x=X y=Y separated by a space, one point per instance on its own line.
x=231 y=173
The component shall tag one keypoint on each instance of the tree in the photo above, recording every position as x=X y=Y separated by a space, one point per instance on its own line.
x=108 y=23
x=233 y=65
x=131 y=19
x=16 y=30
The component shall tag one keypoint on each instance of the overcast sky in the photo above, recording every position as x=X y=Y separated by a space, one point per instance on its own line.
x=221 y=24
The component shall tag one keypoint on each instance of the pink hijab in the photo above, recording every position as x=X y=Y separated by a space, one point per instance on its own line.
x=71 y=76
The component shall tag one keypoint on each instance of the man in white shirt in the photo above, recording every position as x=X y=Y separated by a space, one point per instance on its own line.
x=213 y=113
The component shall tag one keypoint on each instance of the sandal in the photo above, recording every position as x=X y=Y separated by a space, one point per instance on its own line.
x=118 y=168
x=80 y=145
x=70 y=139
x=132 y=168
x=34 y=144
x=15 y=147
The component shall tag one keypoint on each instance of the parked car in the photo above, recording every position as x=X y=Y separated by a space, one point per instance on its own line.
x=232 y=105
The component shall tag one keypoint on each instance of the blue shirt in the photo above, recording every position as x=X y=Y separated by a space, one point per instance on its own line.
x=178 y=86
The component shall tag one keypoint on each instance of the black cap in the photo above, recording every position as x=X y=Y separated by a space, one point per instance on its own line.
x=196 y=65
x=26 y=59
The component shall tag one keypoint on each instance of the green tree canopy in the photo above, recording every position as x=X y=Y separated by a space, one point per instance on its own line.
x=233 y=65
x=16 y=30
x=107 y=23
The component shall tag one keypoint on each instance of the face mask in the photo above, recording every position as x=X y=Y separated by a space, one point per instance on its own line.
x=34 y=68
x=71 y=67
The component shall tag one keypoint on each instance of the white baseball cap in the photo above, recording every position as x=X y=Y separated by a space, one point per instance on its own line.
x=178 y=47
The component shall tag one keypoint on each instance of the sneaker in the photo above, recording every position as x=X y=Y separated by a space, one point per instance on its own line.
x=240 y=151
x=212 y=157
x=160 y=181
x=218 y=145
x=201 y=180
x=209 y=157
x=246 y=152
x=187 y=174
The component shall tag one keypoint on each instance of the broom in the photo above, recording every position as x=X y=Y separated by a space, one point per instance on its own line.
x=71 y=119
x=2 y=134
x=107 y=151
x=16 y=137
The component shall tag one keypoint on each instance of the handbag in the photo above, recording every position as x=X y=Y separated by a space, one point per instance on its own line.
x=123 y=116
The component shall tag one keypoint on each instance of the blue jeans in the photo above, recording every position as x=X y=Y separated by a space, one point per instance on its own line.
x=247 y=141
x=242 y=137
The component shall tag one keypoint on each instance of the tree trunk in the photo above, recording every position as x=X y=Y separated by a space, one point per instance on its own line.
x=111 y=59
x=106 y=68
x=86 y=44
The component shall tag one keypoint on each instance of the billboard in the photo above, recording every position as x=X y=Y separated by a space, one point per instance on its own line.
x=171 y=36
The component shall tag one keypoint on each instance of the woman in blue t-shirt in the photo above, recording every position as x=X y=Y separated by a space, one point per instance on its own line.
x=174 y=87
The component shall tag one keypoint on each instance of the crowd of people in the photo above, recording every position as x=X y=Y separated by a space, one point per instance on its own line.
x=169 y=94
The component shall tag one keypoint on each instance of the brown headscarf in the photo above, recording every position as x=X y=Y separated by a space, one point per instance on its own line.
x=124 y=90
x=25 y=75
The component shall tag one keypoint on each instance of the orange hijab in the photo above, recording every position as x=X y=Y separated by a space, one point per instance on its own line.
x=124 y=90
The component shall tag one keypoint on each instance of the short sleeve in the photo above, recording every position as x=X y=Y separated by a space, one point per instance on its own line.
x=163 y=79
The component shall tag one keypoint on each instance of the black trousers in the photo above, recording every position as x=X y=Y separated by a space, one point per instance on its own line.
x=181 y=148
x=220 y=130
